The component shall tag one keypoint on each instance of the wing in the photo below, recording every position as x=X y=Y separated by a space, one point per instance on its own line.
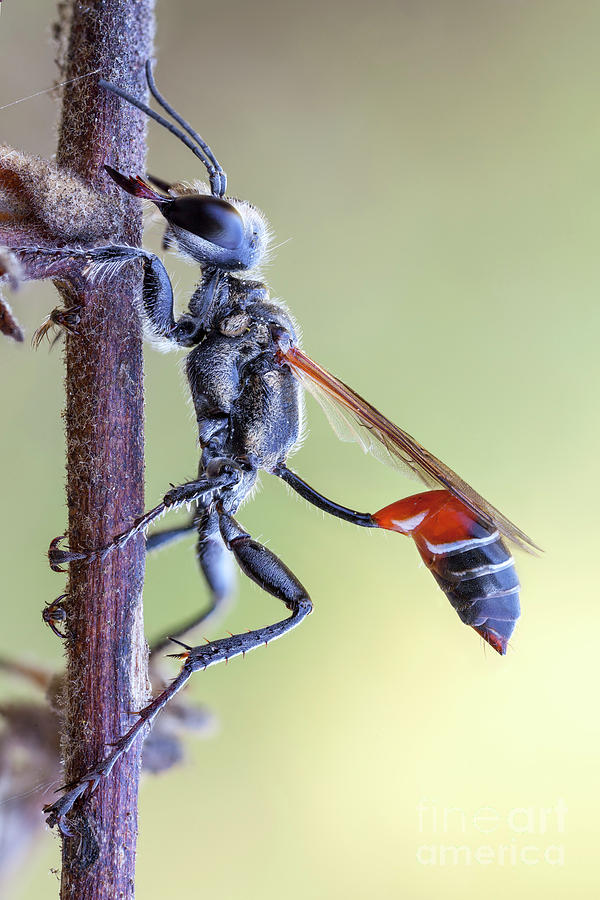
x=354 y=418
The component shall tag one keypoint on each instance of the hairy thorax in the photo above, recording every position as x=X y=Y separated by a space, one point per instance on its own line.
x=247 y=404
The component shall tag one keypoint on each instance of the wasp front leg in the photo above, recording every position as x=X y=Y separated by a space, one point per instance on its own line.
x=106 y=262
x=64 y=319
x=157 y=292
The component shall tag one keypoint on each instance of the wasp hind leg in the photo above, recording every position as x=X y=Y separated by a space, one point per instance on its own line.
x=266 y=570
x=271 y=574
x=215 y=564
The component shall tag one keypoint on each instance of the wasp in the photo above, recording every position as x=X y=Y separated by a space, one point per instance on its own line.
x=247 y=373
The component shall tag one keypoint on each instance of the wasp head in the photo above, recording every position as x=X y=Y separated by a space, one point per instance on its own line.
x=225 y=233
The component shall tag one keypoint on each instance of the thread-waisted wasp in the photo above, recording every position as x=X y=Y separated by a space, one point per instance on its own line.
x=246 y=374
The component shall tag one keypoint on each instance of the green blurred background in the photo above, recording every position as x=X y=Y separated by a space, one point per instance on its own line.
x=433 y=168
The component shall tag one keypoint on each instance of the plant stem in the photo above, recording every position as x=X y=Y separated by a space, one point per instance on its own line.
x=107 y=653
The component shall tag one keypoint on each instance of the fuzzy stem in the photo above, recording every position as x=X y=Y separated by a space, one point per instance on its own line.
x=107 y=653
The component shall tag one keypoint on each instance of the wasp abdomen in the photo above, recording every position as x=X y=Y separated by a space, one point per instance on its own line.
x=467 y=558
x=482 y=585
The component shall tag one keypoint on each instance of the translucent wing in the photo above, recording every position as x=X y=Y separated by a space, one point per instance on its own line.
x=349 y=427
x=355 y=419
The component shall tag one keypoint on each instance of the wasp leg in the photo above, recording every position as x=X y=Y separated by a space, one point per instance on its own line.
x=167 y=536
x=54 y=614
x=271 y=574
x=329 y=506
x=178 y=496
x=104 y=262
x=215 y=563
x=63 y=319
x=157 y=291
x=157 y=287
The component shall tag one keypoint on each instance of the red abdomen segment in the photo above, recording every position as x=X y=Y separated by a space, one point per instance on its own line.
x=468 y=560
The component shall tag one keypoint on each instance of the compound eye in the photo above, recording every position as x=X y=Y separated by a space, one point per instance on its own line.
x=211 y=218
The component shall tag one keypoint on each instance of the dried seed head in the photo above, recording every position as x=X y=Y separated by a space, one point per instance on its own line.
x=35 y=193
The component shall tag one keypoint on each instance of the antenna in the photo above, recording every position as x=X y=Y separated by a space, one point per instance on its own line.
x=199 y=147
